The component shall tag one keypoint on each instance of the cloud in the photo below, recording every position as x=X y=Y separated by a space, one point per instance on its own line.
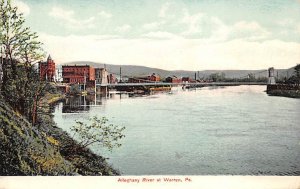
x=22 y=7
x=289 y=29
x=160 y=35
x=68 y=18
x=124 y=28
x=298 y=29
x=105 y=14
x=164 y=9
x=249 y=30
x=200 y=25
x=170 y=10
x=193 y=22
x=153 y=25
x=174 y=52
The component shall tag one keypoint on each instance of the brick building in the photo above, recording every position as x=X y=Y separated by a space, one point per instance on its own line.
x=145 y=79
x=154 y=77
x=112 y=79
x=173 y=79
x=47 y=69
x=78 y=74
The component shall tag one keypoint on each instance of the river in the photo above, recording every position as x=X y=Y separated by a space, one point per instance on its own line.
x=237 y=130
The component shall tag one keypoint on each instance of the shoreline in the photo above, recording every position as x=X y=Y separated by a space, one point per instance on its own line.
x=85 y=160
x=44 y=149
x=283 y=90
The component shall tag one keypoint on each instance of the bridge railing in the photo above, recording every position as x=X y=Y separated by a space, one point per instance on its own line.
x=182 y=84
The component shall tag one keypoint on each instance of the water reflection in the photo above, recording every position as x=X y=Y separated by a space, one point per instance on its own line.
x=77 y=104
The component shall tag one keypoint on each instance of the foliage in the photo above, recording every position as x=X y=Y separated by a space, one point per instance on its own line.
x=216 y=77
x=297 y=74
x=20 y=50
x=98 y=131
x=75 y=89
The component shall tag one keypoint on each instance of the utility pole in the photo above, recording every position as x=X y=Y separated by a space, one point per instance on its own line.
x=84 y=82
x=195 y=76
x=95 y=91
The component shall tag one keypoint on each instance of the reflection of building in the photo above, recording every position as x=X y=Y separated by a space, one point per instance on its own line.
x=101 y=75
x=47 y=70
x=76 y=104
x=78 y=74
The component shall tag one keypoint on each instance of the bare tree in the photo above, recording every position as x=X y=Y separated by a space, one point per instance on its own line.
x=99 y=132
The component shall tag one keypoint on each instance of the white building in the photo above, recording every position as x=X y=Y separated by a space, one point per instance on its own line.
x=101 y=75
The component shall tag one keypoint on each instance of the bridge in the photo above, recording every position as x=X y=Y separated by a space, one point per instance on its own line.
x=199 y=84
x=143 y=82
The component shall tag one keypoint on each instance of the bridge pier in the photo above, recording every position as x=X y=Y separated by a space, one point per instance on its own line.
x=271 y=78
x=101 y=89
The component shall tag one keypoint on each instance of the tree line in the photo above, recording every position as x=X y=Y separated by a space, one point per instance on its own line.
x=20 y=51
x=295 y=78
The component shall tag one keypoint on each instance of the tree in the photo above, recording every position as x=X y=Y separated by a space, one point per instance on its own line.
x=217 y=76
x=98 y=131
x=297 y=73
x=20 y=50
x=251 y=77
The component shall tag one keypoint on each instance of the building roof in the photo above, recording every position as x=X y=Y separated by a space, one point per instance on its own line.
x=76 y=66
x=49 y=57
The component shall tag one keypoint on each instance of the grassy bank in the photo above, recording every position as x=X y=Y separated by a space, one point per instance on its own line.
x=285 y=93
x=285 y=90
x=43 y=149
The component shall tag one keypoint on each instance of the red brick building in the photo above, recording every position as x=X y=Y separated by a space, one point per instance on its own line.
x=112 y=79
x=47 y=69
x=146 y=79
x=173 y=79
x=78 y=74
x=154 y=77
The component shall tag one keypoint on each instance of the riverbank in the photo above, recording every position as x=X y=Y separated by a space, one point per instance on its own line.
x=84 y=160
x=291 y=91
x=43 y=149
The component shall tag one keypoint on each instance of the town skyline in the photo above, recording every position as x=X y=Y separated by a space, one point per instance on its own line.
x=170 y=35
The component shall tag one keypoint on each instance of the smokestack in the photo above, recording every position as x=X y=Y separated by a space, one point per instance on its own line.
x=120 y=73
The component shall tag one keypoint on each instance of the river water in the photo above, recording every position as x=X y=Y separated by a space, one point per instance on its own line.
x=237 y=130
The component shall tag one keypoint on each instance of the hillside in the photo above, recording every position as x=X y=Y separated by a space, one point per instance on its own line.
x=43 y=149
x=130 y=70
x=26 y=151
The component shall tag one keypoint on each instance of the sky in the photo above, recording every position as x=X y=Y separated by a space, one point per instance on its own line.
x=169 y=34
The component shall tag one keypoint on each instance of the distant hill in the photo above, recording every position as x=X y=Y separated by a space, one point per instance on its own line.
x=131 y=70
